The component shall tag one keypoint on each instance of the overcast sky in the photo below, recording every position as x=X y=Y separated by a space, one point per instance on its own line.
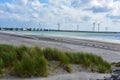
x=69 y=13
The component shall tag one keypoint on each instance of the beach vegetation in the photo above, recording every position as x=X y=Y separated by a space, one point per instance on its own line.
x=24 y=67
x=55 y=54
x=1 y=65
x=117 y=64
x=25 y=61
x=68 y=68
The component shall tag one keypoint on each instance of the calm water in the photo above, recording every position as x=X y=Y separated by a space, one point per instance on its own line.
x=113 y=36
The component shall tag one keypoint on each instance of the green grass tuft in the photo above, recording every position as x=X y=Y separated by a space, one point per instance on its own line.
x=1 y=65
x=54 y=54
x=41 y=67
x=116 y=64
x=33 y=61
x=25 y=67
x=68 y=68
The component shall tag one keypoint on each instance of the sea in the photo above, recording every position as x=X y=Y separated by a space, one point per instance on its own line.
x=108 y=36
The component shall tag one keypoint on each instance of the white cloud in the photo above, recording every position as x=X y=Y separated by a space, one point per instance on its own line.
x=63 y=11
x=21 y=2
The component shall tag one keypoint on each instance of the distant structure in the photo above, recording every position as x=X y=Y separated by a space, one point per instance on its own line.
x=39 y=25
x=98 y=27
x=106 y=29
x=77 y=28
x=94 y=26
x=58 y=26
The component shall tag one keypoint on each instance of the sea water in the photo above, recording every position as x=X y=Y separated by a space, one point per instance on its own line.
x=102 y=36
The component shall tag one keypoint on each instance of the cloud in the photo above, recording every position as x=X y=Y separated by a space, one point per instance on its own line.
x=116 y=21
x=79 y=3
x=85 y=18
x=113 y=17
x=116 y=0
x=22 y=2
x=63 y=11
x=85 y=1
x=99 y=9
x=100 y=6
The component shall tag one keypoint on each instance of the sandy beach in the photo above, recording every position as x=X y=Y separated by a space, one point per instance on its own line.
x=107 y=50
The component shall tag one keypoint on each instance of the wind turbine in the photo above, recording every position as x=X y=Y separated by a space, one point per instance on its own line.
x=40 y=26
x=94 y=26
x=99 y=25
x=58 y=26
x=106 y=29
x=77 y=27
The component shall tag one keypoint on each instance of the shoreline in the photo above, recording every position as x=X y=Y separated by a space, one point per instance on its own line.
x=90 y=42
x=66 y=44
x=65 y=36
x=108 y=51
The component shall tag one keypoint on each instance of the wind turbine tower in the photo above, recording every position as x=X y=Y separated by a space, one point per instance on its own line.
x=94 y=26
x=106 y=29
x=40 y=26
x=77 y=27
x=98 y=27
x=58 y=26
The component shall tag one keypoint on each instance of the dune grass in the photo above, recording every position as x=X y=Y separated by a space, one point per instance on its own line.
x=26 y=61
x=117 y=64
x=1 y=65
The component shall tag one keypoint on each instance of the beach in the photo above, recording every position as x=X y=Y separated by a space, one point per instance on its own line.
x=107 y=50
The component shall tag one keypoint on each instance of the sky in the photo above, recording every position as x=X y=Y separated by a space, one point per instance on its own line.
x=70 y=14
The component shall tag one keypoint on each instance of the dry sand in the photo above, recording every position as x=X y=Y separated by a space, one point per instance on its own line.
x=107 y=50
